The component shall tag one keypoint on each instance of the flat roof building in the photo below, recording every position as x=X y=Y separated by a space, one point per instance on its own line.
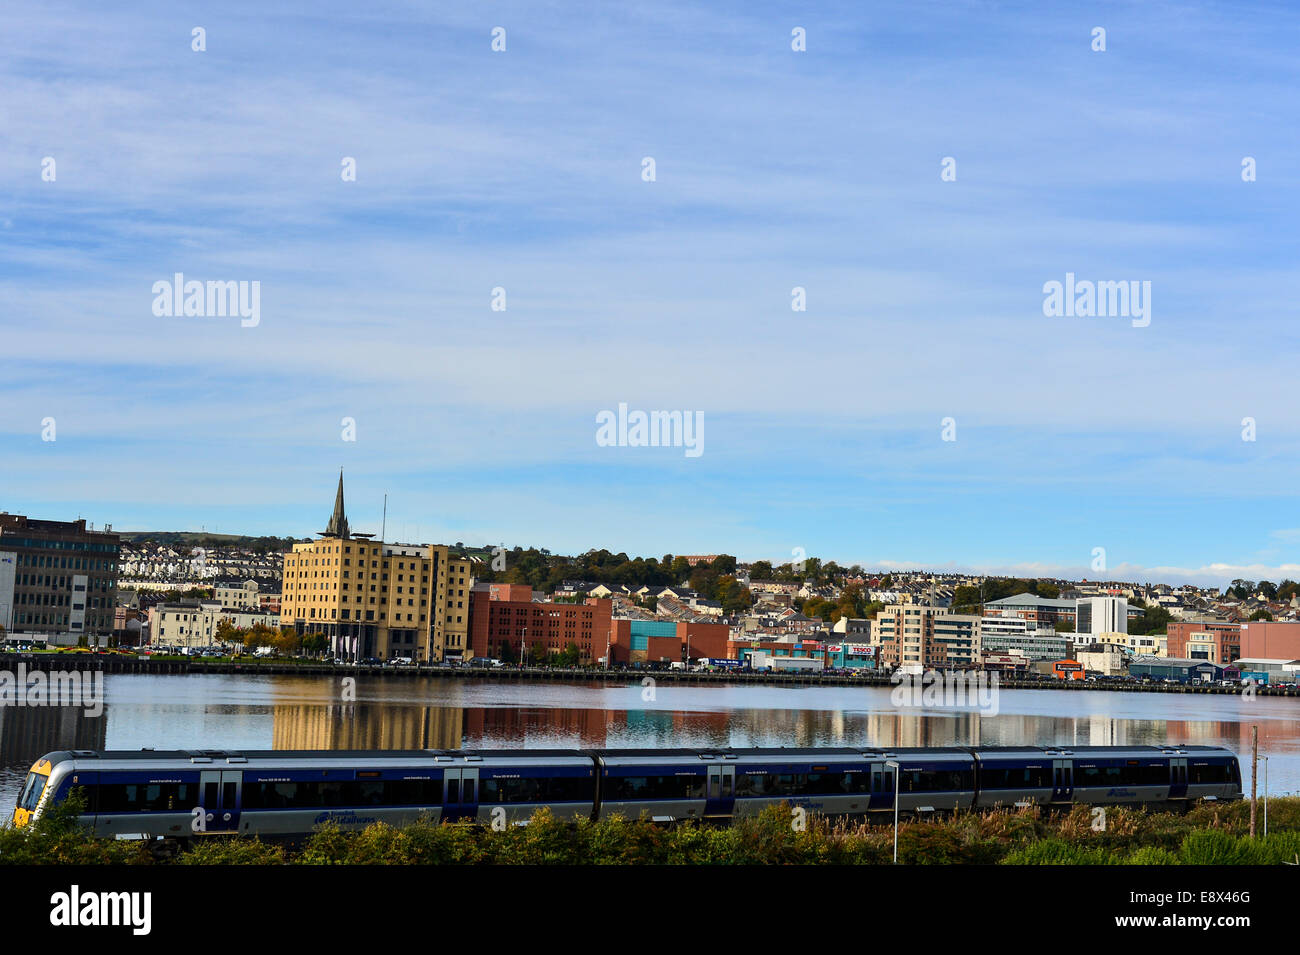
x=64 y=579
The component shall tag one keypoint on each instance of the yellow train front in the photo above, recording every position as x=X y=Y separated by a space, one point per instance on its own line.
x=34 y=788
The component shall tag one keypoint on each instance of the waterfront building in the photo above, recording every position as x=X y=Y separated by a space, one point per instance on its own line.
x=1003 y=635
x=59 y=580
x=955 y=640
x=1259 y=638
x=1106 y=659
x=649 y=641
x=1097 y=615
x=506 y=616
x=196 y=623
x=851 y=656
x=1181 y=670
x=1264 y=670
x=922 y=637
x=374 y=599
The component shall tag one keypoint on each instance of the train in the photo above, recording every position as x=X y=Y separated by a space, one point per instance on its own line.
x=185 y=794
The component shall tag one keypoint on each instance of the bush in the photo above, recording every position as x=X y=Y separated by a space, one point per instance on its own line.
x=1058 y=852
x=220 y=850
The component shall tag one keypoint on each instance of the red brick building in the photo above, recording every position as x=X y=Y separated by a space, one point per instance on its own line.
x=637 y=641
x=1270 y=640
x=1215 y=640
x=505 y=615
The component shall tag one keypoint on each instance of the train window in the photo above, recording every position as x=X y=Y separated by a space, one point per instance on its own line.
x=801 y=784
x=1020 y=777
x=759 y=784
x=728 y=784
x=209 y=795
x=146 y=797
x=32 y=791
x=312 y=795
x=1204 y=773
x=571 y=789
x=453 y=790
x=228 y=795
x=715 y=787
x=857 y=782
x=654 y=787
x=468 y=795
x=539 y=789
x=1119 y=775
x=933 y=780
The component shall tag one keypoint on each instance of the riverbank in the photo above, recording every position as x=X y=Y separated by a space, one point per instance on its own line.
x=1210 y=834
x=171 y=666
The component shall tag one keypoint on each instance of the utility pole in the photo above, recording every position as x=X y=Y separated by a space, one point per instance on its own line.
x=1254 y=774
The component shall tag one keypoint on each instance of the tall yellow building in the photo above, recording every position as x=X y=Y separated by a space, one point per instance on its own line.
x=372 y=599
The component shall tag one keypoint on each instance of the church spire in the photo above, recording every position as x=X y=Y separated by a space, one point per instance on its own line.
x=338 y=525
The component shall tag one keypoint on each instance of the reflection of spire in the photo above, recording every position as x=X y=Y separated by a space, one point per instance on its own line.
x=338 y=525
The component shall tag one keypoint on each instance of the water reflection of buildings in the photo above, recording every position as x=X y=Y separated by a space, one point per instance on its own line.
x=27 y=732
x=366 y=726
x=594 y=728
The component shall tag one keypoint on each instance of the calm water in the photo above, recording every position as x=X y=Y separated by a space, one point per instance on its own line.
x=267 y=712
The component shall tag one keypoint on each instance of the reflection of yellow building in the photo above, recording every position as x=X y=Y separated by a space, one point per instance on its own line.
x=373 y=599
x=366 y=726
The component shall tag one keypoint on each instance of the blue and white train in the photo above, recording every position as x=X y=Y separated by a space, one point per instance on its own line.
x=288 y=793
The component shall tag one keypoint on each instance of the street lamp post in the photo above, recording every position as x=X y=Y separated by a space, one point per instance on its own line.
x=893 y=764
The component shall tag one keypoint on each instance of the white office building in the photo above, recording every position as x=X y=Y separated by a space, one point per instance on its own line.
x=1097 y=615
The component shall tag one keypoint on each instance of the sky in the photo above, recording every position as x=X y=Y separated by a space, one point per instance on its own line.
x=919 y=170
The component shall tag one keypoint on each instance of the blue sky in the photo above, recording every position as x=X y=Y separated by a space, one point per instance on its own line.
x=774 y=169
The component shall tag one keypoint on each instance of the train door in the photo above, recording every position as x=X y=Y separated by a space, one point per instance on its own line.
x=720 y=791
x=1178 y=778
x=882 y=786
x=1062 y=780
x=220 y=795
x=459 y=793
